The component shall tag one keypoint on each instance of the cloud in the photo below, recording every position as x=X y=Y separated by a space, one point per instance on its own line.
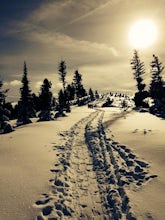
x=108 y=77
x=55 y=16
x=45 y=44
x=14 y=89
x=38 y=84
x=91 y=9
x=58 y=14
x=61 y=41
x=13 y=83
x=69 y=30
x=61 y=12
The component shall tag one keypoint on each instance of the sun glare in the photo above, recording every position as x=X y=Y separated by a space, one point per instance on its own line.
x=143 y=33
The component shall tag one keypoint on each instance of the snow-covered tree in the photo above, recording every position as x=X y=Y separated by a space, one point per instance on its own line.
x=107 y=103
x=45 y=98
x=25 y=104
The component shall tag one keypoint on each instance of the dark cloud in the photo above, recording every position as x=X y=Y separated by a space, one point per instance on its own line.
x=16 y=9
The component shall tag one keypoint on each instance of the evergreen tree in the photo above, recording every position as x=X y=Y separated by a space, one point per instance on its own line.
x=45 y=98
x=138 y=72
x=16 y=111
x=67 y=103
x=108 y=103
x=62 y=73
x=36 y=102
x=54 y=103
x=97 y=94
x=77 y=81
x=157 y=88
x=5 y=126
x=157 y=84
x=25 y=90
x=91 y=95
x=61 y=104
x=10 y=108
x=70 y=89
x=25 y=105
x=61 y=100
x=2 y=93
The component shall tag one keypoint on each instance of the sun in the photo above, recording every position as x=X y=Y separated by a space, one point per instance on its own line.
x=143 y=33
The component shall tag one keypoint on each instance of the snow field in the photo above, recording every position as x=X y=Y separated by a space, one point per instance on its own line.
x=92 y=175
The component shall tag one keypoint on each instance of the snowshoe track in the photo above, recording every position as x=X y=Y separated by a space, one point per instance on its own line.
x=92 y=176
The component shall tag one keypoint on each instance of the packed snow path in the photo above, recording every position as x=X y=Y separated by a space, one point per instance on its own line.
x=92 y=175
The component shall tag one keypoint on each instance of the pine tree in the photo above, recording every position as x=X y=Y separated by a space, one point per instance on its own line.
x=91 y=95
x=45 y=98
x=108 y=102
x=25 y=105
x=96 y=94
x=9 y=107
x=2 y=93
x=5 y=126
x=138 y=72
x=62 y=73
x=36 y=102
x=157 y=84
x=79 y=89
x=54 y=103
x=25 y=90
x=61 y=100
x=70 y=89
x=61 y=104
x=157 y=87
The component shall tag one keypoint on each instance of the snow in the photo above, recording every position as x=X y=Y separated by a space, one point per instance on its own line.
x=144 y=134
x=100 y=163
x=26 y=157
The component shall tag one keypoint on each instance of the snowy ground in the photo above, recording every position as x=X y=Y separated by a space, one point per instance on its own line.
x=94 y=164
x=144 y=134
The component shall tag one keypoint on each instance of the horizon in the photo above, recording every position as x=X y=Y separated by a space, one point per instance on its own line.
x=91 y=37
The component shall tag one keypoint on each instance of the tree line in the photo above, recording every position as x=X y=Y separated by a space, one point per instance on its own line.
x=45 y=103
x=156 y=88
x=75 y=93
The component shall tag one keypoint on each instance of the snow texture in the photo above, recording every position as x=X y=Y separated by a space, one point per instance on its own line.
x=91 y=174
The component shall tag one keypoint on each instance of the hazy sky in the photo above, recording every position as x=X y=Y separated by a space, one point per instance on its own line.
x=91 y=35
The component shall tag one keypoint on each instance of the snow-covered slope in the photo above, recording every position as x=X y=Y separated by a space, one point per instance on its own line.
x=94 y=164
x=26 y=158
x=144 y=134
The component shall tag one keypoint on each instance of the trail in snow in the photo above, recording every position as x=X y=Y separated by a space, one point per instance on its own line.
x=92 y=175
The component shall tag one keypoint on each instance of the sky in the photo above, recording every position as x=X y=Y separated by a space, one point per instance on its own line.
x=91 y=36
